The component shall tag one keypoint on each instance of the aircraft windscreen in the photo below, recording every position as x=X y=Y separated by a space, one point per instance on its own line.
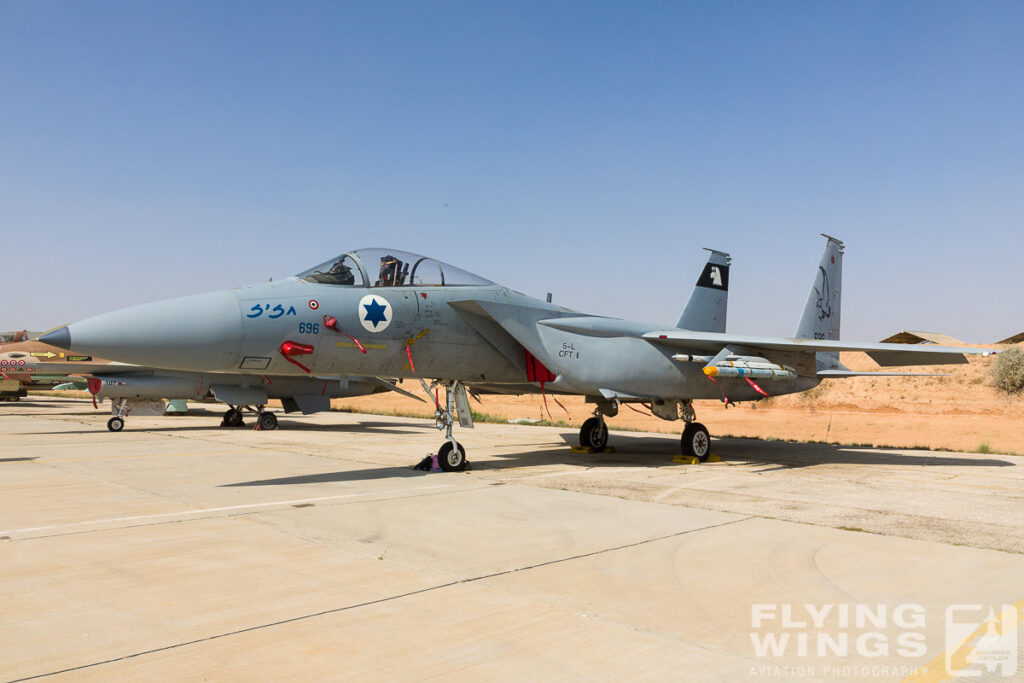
x=340 y=270
x=390 y=268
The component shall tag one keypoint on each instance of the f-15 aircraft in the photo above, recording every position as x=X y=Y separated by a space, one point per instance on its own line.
x=133 y=388
x=387 y=313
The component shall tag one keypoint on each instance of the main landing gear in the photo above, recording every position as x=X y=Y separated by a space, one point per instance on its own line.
x=695 y=441
x=265 y=421
x=594 y=433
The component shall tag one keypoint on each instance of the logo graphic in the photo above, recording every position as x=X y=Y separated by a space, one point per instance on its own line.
x=374 y=313
x=980 y=642
x=824 y=302
x=314 y=304
x=714 y=277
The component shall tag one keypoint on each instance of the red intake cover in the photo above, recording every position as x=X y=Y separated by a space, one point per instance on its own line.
x=536 y=371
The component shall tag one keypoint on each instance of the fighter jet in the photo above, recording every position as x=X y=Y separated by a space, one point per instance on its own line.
x=387 y=313
x=137 y=389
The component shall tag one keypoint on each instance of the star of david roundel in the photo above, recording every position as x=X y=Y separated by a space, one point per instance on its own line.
x=374 y=313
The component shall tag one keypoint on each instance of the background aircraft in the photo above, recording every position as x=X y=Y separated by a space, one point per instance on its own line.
x=377 y=313
x=133 y=388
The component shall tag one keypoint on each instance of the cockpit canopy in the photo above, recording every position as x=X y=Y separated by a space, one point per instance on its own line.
x=389 y=268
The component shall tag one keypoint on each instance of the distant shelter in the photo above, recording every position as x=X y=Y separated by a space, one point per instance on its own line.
x=1015 y=339
x=913 y=337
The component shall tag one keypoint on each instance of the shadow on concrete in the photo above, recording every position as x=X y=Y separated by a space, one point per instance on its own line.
x=19 y=459
x=329 y=477
x=285 y=424
x=36 y=404
x=785 y=454
x=643 y=450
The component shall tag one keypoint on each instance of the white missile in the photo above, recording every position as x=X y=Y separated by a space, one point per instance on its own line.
x=751 y=369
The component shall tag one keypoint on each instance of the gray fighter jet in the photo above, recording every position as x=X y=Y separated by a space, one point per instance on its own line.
x=135 y=389
x=386 y=313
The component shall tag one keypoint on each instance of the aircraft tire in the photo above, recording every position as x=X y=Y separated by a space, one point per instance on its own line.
x=594 y=434
x=696 y=440
x=268 y=421
x=232 y=418
x=115 y=424
x=451 y=459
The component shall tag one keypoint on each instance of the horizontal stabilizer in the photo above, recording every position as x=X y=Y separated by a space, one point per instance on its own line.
x=904 y=358
x=882 y=353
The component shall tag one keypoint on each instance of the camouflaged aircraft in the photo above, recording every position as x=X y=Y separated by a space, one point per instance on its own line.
x=141 y=390
x=387 y=313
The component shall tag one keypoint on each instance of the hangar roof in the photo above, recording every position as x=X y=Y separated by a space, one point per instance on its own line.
x=912 y=337
x=1015 y=339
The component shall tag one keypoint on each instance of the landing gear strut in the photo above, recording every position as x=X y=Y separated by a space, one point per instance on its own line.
x=119 y=407
x=451 y=457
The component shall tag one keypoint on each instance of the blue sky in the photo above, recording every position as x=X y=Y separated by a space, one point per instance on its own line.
x=588 y=149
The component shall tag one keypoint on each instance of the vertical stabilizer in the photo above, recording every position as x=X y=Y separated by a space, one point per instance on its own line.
x=821 y=314
x=708 y=304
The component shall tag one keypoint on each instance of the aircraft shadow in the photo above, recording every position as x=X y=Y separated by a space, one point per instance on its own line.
x=655 y=451
x=373 y=426
x=329 y=477
x=783 y=453
x=28 y=404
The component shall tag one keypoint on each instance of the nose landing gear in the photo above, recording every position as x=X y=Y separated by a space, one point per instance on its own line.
x=119 y=408
x=451 y=457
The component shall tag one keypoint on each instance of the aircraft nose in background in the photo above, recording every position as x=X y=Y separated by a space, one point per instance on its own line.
x=201 y=332
x=61 y=338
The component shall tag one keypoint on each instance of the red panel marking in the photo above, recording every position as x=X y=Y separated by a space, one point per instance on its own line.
x=290 y=348
x=536 y=371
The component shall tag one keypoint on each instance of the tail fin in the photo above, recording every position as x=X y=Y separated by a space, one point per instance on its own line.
x=821 y=313
x=708 y=304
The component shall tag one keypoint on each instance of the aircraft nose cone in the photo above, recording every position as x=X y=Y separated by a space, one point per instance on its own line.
x=61 y=338
x=200 y=333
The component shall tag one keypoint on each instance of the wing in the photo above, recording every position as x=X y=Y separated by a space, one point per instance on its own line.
x=713 y=342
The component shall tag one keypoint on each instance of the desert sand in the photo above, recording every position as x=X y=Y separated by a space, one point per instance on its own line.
x=960 y=412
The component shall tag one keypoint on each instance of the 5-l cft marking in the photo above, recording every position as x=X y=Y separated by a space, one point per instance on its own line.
x=569 y=351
